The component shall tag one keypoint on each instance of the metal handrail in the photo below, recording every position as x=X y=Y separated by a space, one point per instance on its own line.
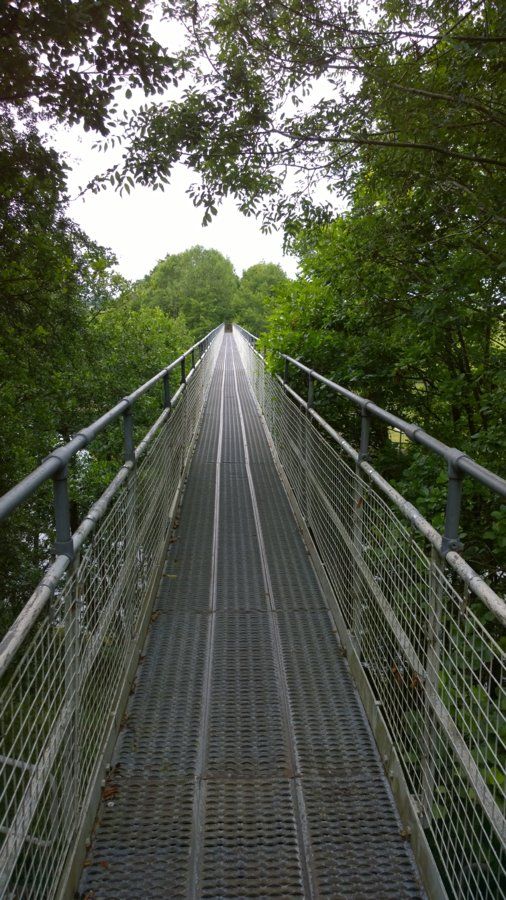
x=68 y=545
x=459 y=463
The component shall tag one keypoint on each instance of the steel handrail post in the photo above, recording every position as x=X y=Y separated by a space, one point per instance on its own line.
x=64 y=547
x=131 y=554
x=63 y=544
x=463 y=464
x=72 y=625
x=451 y=539
x=128 y=436
x=184 y=385
x=167 y=400
x=307 y=425
x=167 y=404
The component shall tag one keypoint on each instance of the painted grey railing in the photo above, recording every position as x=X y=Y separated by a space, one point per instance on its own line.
x=67 y=662
x=429 y=672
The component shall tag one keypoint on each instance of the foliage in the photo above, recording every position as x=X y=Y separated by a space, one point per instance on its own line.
x=396 y=302
x=48 y=274
x=322 y=88
x=69 y=348
x=396 y=107
x=132 y=345
x=59 y=61
x=72 y=57
x=257 y=289
x=202 y=286
x=199 y=284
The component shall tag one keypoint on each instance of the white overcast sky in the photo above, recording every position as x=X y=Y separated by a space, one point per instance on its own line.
x=143 y=227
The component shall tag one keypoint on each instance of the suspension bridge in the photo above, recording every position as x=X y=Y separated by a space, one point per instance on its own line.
x=254 y=670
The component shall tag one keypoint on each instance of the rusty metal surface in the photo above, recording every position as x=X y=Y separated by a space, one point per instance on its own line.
x=245 y=766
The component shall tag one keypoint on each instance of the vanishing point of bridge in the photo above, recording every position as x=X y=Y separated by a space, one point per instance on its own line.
x=269 y=688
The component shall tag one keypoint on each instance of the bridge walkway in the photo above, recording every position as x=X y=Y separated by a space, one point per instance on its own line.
x=245 y=766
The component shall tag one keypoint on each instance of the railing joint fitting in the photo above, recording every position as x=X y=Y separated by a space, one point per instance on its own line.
x=64 y=548
x=453 y=463
x=62 y=471
x=451 y=545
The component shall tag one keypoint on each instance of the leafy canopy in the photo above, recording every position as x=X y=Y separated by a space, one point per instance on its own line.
x=258 y=288
x=398 y=301
x=199 y=284
x=322 y=88
x=66 y=60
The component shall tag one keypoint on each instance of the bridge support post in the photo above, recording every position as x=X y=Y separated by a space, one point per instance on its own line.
x=306 y=480
x=63 y=545
x=71 y=624
x=128 y=436
x=167 y=400
x=452 y=517
x=133 y=560
x=167 y=404
x=72 y=614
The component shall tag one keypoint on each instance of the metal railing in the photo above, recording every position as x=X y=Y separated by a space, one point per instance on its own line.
x=66 y=663
x=429 y=672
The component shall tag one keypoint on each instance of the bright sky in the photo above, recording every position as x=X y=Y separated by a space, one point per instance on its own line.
x=143 y=227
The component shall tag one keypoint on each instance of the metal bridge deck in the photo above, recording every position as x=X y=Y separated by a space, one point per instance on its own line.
x=246 y=766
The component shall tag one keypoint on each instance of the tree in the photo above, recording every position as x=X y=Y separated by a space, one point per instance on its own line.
x=397 y=302
x=324 y=88
x=257 y=289
x=199 y=284
x=71 y=57
x=50 y=276
x=70 y=346
x=130 y=345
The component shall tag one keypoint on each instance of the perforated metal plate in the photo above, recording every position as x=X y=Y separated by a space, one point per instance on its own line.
x=245 y=767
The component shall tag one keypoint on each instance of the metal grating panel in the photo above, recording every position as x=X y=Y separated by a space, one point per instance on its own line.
x=161 y=726
x=250 y=847
x=149 y=857
x=356 y=846
x=246 y=767
x=245 y=730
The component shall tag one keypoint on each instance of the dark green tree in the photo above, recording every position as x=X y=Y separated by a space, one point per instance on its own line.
x=199 y=284
x=323 y=88
x=50 y=276
x=70 y=347
x=61 y=61
x=71 y=57
x=257 y=289
x=399 y=304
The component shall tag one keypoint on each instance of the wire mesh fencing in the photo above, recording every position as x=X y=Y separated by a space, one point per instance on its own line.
x=435 y=669
x=61 y=694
